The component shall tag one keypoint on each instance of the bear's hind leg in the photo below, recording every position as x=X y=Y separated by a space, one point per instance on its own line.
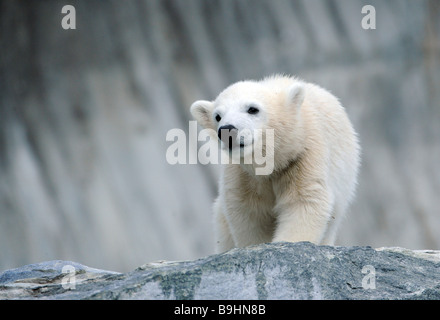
x=333 y=226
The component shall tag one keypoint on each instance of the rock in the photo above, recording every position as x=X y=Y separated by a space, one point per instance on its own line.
x=267 y=271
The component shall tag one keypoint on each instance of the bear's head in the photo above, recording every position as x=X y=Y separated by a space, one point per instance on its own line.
x=241 y=115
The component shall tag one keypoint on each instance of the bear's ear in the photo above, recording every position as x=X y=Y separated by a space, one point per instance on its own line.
x=295 y=95
x=201 y=110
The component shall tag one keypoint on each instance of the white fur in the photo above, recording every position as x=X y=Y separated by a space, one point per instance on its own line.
x=316 y=161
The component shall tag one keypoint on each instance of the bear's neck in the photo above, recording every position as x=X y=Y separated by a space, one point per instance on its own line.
x=281 y=164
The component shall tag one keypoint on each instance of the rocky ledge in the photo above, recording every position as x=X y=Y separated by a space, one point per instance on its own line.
x=268 y=271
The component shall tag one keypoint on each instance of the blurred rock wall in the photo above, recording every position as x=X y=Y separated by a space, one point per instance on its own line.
x=84 y=115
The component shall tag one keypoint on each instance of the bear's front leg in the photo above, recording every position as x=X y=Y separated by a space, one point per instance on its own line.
x=223 y=237
x=301 y=222
x=303 y=213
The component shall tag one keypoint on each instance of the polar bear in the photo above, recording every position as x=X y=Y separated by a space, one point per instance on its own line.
x=316 y=157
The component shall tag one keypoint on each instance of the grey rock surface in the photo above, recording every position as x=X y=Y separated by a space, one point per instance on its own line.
x=267 y=271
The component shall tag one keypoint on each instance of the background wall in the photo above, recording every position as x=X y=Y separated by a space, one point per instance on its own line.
x=84 y=114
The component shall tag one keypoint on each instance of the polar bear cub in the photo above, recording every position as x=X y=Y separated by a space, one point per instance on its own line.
x=315 y=162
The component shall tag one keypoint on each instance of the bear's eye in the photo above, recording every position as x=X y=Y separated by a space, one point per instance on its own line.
x=218 y=118
x=253 y=110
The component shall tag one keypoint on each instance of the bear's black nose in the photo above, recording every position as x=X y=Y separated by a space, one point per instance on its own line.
x=225 y=131
x=227 y=134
